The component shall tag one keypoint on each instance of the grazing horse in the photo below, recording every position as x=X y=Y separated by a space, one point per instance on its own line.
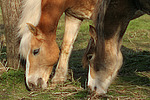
x=103 y=56
x=37 y=29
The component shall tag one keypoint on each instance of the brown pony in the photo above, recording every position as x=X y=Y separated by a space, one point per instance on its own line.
x=37 y=29
x=103 y=55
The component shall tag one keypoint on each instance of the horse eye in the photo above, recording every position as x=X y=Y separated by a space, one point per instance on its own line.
x=89 y=56
x=36 y=51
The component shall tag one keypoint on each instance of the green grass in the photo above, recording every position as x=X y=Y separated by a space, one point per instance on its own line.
x=138 y=34
x=132 y=82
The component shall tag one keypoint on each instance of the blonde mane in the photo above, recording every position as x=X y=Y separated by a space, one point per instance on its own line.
x=31 y=13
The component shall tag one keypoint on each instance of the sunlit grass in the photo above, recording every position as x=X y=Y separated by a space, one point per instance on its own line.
x=138 y=34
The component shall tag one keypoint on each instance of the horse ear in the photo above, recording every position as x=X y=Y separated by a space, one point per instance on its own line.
x=92 y=31
x=32 y=29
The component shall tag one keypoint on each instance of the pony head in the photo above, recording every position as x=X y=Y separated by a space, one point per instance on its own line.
x=103 y=60
x=42 y=54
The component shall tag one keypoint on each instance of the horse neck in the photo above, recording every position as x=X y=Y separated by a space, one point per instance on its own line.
x=112 y=27
x=51 y=12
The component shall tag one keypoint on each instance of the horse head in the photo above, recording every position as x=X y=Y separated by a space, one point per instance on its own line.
x=103 y=60
x=43 y=53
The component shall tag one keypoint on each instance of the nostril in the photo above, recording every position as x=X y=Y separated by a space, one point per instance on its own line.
x=39 y=82
x=31 y=85
x=95 y=88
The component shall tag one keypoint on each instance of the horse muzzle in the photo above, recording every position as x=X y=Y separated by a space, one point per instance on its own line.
x=37 y=84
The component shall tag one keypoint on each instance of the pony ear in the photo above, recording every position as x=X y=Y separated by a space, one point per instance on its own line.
x=92 y=31
x=32 y=29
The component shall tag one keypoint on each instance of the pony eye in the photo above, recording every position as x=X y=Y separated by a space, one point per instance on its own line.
x=89 y=56
x=36 y=51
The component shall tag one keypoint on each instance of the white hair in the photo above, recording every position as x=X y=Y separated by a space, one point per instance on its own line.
x=31 y=13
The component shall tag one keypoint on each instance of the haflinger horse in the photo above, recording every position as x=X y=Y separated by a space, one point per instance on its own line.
x=37 y=29
x=103 y=56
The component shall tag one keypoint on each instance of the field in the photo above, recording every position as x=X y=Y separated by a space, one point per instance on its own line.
x=132 y=82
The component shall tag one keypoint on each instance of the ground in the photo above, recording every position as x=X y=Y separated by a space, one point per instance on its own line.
x=132 y=82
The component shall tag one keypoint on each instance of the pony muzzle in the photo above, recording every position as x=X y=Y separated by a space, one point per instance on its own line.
x=36 y=84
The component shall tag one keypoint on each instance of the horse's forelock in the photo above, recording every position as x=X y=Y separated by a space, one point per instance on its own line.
x=99 y=24
x=24 y=45
x=31 y=13
x=101 y=11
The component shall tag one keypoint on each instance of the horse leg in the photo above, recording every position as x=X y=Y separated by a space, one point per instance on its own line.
x=72 y=26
